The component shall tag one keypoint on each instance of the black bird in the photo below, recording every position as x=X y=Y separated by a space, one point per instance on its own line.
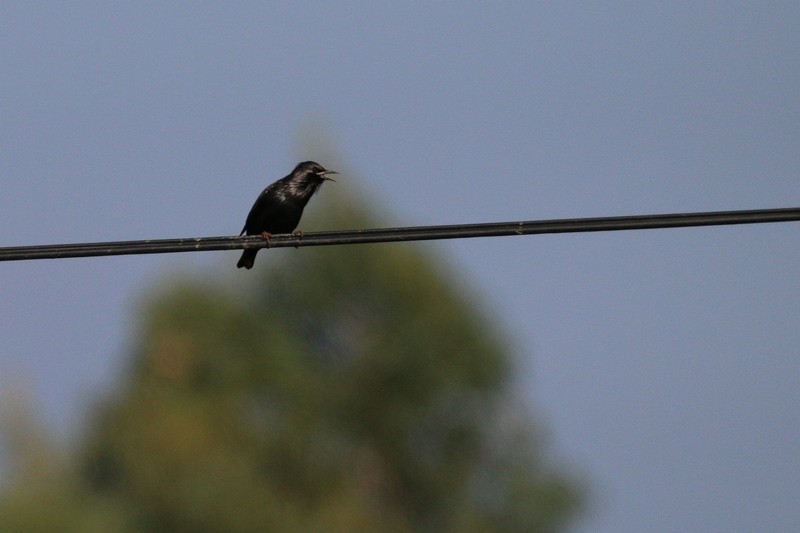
x=279 y=207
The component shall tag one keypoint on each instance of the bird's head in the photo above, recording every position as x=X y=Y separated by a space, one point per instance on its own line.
x=311 y=168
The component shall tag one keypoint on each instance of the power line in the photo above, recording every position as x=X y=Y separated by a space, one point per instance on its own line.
x=418 y=233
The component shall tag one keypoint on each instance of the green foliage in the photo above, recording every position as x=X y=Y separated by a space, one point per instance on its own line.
x=341 y=389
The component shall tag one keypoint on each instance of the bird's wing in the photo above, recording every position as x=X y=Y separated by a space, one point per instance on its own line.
x=264 y=204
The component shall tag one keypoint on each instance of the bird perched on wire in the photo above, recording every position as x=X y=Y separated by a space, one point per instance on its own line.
x=279 y=207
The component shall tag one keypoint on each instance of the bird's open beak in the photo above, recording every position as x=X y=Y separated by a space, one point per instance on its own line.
x=328 y=173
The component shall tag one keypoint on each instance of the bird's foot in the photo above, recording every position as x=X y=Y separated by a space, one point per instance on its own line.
x=299 y=236
x=266 y=236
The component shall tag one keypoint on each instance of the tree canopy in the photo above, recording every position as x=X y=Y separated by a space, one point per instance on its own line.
x=340 y=389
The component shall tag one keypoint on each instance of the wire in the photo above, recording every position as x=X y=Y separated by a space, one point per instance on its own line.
x=418 y=233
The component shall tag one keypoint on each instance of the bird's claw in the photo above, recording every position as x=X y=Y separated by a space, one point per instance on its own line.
x=266 y=236
x=299 y=236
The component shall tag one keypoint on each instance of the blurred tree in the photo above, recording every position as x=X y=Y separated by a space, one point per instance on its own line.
x=341 y=389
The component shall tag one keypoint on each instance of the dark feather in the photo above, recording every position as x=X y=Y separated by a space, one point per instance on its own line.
x=279 y=207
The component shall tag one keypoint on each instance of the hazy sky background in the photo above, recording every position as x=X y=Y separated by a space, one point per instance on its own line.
x=664 y=365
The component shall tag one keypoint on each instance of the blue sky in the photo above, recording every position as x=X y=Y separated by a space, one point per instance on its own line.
x=663 y=364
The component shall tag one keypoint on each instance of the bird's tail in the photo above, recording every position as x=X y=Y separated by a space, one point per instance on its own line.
x=248 y=259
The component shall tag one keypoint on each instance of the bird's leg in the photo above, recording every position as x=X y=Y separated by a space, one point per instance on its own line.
x=266 y=236
x=299 y=236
